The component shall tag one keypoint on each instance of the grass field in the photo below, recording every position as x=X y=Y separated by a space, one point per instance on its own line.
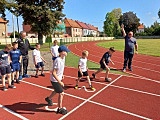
x=145 y=46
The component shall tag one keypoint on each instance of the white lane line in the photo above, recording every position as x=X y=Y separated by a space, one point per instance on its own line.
x=121 y=87
x=123 y=111
x=88 y=99
x=13 y=113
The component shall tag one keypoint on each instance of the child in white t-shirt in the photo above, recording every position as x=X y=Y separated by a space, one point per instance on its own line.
x=82 y=70
x=54 y=50
x=38 y=60
x=56 y=79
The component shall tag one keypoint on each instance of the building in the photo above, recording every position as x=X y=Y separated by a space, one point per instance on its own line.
x=140 y=28
x=60 y=29
x=3 y=28
x=30 y=34
x=85 y=28
x=73 y=29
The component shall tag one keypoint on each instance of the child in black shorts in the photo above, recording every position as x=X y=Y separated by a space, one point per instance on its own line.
x=56 y=79
x=106 y=58
x=82 y=69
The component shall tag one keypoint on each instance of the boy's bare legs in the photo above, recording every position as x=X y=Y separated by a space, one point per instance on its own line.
x=42 y=74
x=12 y=77
x=89 y=82
x=3 y=80
x=106 y=75
x=9 y=79
x=52 y=94
x=77 y=81
x=37 y=72
x=49 y=99
x=98 y=71
x=60 y=99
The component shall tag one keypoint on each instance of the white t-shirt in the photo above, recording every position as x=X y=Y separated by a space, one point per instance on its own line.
x=54 y=50
x=83 y=64
x=37 y=55
x=58 y=64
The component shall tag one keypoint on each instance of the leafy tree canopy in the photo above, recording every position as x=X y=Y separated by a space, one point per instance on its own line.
x=130 y=21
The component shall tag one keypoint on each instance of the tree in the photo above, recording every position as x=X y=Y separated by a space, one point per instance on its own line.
x=111 y=24
x=159 y=13
x=130 y=21
x=42 y=15
x=2 y=8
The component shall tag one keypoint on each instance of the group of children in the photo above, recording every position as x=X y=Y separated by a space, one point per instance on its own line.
x=10 y=63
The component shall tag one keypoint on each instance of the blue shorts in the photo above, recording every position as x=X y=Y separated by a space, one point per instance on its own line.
x=53 y=58
x=5 y=70
x=15 y=67
x=39 y=64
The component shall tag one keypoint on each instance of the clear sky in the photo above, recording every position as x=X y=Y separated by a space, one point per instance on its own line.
x=94 y=11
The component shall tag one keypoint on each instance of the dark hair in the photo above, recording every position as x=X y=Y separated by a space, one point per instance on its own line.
x=37 y=44
x=112 y=49
x=14 y=43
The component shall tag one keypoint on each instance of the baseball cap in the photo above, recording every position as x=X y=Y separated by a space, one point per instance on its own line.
x=63 y=48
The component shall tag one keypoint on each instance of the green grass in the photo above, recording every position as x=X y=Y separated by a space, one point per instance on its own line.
x=145 y=46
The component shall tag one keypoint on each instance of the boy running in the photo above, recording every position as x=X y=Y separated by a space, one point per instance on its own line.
x=106 y=58
x=82 y=70
x=5 y=68
x=56 y=79
x=38 y=60
x=15 y=58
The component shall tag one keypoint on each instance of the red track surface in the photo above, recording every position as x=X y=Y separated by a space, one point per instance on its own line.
x=125 y=97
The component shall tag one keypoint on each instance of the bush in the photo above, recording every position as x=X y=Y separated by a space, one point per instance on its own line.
x=49 y=39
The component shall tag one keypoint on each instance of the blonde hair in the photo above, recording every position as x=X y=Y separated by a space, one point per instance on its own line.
x=8 y=46
x=85 y=53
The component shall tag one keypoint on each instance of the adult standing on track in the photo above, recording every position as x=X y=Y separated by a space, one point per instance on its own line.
x=130 y=43
x=24 y=46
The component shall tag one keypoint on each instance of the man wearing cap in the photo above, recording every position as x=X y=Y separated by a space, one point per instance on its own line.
x=24 y=46
x=56 y=79
x=130 y=43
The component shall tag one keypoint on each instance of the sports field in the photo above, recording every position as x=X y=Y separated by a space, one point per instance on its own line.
x=132 y=97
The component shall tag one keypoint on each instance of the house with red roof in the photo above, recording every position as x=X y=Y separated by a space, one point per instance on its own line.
x=3 y=28
x=93 y=30
x=85 y=28
x=140 y=28
x=73 y=29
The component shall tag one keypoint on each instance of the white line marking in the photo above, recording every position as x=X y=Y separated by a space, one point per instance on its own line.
x=13 y=113
x=116 y=109
x=88 y=99
x=121 y=87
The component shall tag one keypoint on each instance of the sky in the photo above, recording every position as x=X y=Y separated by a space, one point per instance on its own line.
x=94 y=11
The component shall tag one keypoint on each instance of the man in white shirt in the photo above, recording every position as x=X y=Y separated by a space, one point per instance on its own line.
x=56 y=79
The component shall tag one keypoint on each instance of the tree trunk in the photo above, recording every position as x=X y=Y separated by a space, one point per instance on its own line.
x=40 y=38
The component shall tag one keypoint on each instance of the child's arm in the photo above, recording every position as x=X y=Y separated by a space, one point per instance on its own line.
x=43 y=59
x=20 y=59
x=56 y=77
x=79 y=68
x=51 y=53
x=111 y=61
x=34 y=59
x=9 y=59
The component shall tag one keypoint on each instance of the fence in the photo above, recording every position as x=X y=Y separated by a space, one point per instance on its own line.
x=60 y=40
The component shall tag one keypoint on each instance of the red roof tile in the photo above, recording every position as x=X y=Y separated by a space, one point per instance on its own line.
x=2 y=20
x=141 y=26
x=83 y=25
x=71 y=23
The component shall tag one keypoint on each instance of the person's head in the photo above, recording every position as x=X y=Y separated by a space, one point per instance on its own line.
x=63 y=50
x=111 y=50
x=7 y=47
x=55 y=42
x=130 y=34
x=23 y=34
x=14 y=45
x=85 y=54
x=38 y=46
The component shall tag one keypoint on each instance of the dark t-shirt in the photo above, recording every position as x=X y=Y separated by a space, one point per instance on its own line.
x=15 y=56
x=129 y=44
x=3 y=58
x=106 y=56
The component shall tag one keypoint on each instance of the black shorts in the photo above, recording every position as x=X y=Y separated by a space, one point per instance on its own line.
x=57 y=87
x=103 y=66
x=84 y=73
x=39 y=64
x=5 y=70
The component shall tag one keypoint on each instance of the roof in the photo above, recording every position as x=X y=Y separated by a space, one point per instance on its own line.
x=83 y=25
x=141 y=26
x=92 y=27
x=2 y=20
x=71 y=23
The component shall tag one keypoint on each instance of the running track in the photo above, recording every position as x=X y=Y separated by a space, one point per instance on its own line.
x=126 y=97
